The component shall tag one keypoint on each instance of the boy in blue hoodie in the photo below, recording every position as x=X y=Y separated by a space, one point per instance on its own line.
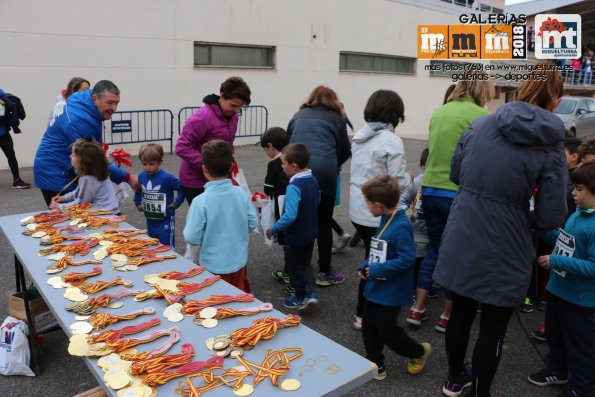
x=156 y=198
x=388 y=272
x=221 y=219
x=570 y=313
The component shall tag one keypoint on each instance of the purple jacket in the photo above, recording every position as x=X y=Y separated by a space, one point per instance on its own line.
x=206 y=124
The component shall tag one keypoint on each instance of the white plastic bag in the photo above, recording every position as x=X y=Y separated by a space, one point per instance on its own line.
x=14 y=348
x=267 y=217
x=122 y=191
x=192 y=253
x=241 y=180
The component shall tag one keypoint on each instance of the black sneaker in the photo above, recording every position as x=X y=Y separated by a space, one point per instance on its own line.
x=527 y=306
x=20 y=184
x=546 y=377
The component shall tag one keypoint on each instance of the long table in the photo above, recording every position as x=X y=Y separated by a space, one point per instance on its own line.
x=325 y=368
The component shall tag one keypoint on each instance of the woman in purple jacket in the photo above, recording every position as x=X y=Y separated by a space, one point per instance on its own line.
x=217 y=119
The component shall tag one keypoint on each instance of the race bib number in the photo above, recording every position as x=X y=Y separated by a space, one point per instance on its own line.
x=418 y=211
x=377 y=253
x=154 y=205
x=565 y=246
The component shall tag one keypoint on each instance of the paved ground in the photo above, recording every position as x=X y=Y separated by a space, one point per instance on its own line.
x=63 y=375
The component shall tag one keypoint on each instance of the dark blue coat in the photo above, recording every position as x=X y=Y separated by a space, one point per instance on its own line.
x=324 y=133
x=487 y=248
x=80 y=119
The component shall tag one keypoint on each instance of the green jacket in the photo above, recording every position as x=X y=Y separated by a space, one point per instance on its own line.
x=447 y=124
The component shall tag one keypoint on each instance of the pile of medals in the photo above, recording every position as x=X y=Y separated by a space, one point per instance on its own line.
x=222 y=346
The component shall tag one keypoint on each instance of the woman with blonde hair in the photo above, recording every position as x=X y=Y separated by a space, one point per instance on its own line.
x=320 y=126
x=75 y=84
x=464 y=104
x=487 y=252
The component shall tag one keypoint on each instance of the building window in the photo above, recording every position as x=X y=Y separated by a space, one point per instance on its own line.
x=359 y=62
x=233 y=55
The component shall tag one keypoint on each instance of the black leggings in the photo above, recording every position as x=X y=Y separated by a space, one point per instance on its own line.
x=488 y=348
x=325 y=233
x=191 y=192
x=7 y=147
x=366 y=233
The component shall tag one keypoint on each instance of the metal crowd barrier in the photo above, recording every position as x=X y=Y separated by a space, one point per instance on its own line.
x=253 y=120
x=135 y=126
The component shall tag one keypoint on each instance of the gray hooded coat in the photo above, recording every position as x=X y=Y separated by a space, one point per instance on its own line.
x=487 y=248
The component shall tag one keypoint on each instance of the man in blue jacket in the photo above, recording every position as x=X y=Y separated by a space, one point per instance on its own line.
x=82 y=117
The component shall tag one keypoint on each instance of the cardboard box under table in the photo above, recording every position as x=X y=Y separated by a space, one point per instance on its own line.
x=325 y=368
x=43 y=319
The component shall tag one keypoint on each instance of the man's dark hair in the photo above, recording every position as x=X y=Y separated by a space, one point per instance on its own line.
x=276 y=136
x=385 y=106
x=423 y=159
x=587 y=147
x=572 y=144
x=297 y=153
x=235 y=87
x=217 y=157
x=584 y=174
x=105 y=85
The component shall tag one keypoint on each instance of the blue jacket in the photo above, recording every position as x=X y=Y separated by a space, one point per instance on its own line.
x=80 y=119
x=300 y=212
x=577 y=286
x=219 y=220
x=161 y=182
x=396 y=287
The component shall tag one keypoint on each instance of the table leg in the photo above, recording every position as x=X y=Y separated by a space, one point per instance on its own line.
x=20 y=273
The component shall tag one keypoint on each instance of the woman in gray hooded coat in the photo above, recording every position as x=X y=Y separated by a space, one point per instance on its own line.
x=487 y=252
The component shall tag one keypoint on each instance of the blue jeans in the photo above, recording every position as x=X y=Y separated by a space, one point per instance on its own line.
x=436 y=210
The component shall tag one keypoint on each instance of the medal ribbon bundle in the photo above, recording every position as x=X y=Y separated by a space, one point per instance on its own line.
x=227 y=312
x=179 y=275
x=91 y=305
x=57 y=237
x=157 y=364
x=80 y=247
x=66 y=261
x=135 y=248
x=102 y=320
x=118 y=345
x=264 y=328
x=230 y=377
x=190 y=288
x=194 y=306
x=115 y=334
x=174 y=337
x=161 y=378
x=78 y=277
x=274 y=365
x=99 y=285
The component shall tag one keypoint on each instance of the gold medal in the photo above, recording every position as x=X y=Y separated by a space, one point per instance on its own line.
x=115 y=305
x=175 y=317
x=99 y=254
x=208 y=312
x=290 y=385
x=82 y=225
x=26 y=220
x=109 y=361
x=220 y=342
x=119 y=257
x=75 y=221
x=106 y=243
x=209 y=342
x=79 y=346
x=81 y=327
x=235 y=352
x=209 y=323
x=198 y=321
x=244 y=390
x=39 y=234
x=56 y=256
x=31 y=226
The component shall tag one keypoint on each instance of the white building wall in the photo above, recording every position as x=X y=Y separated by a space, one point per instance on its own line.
x=146 y=48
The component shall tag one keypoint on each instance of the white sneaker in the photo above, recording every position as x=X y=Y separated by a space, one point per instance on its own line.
x=357 y=323
x=342 y=241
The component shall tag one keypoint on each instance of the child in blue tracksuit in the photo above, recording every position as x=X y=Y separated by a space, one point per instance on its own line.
x=221 y=218
x=156 y=197
x=388 y=272
x=570 y=313
x=300 y=224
